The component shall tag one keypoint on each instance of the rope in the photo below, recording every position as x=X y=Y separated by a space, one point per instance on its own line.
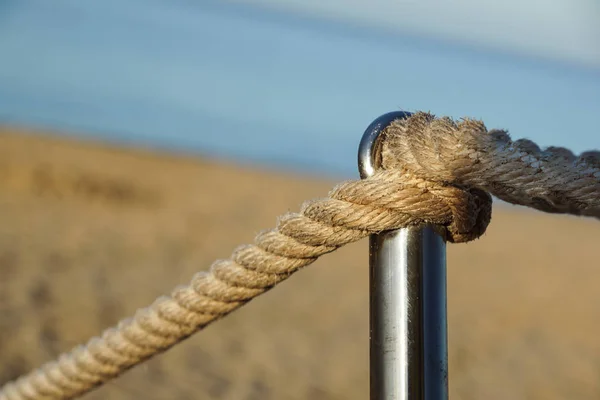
x=519 y=172
x=434 y=171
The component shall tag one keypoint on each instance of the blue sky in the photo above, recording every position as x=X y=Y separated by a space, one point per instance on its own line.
x=285 y=87
x=552 y=29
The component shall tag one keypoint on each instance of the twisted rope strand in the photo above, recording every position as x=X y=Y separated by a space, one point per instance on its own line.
x=435 y=171
x=464 y=153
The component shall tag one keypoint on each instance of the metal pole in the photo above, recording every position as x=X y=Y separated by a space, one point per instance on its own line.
x=408 y=323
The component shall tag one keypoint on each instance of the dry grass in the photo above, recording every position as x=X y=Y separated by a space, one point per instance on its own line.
x=90 y=233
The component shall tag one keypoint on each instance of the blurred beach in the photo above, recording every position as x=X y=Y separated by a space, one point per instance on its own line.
x=91 y=232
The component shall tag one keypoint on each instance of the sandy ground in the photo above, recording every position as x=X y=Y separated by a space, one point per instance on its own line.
x=89 y=233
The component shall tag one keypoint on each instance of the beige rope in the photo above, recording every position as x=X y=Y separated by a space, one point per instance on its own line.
x=553 y=180
x=435 y=171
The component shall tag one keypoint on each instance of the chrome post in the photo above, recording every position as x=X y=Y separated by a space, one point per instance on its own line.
x=408 y=322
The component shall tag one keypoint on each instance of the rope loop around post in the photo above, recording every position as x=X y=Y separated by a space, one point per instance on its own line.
x=435 y=170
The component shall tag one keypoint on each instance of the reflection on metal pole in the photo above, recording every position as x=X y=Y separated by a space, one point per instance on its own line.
x=408 y=322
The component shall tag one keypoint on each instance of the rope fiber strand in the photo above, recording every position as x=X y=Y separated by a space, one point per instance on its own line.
x=435 y=170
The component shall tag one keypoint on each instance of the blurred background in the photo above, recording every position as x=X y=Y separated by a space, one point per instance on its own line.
x=141 y=140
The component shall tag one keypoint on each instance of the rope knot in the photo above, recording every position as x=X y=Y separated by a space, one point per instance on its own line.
x=393 y=199
x=419 y=149
x=471 y=213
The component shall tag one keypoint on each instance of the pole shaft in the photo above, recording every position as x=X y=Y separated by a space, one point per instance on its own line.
x=408 y=346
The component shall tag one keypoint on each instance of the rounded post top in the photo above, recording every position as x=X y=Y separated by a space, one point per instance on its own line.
x=369 y=155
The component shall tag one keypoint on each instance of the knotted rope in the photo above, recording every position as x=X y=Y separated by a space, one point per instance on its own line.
x=433 y=171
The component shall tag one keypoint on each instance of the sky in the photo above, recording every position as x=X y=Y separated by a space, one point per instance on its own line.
x=558 y=30
x=293 y=86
